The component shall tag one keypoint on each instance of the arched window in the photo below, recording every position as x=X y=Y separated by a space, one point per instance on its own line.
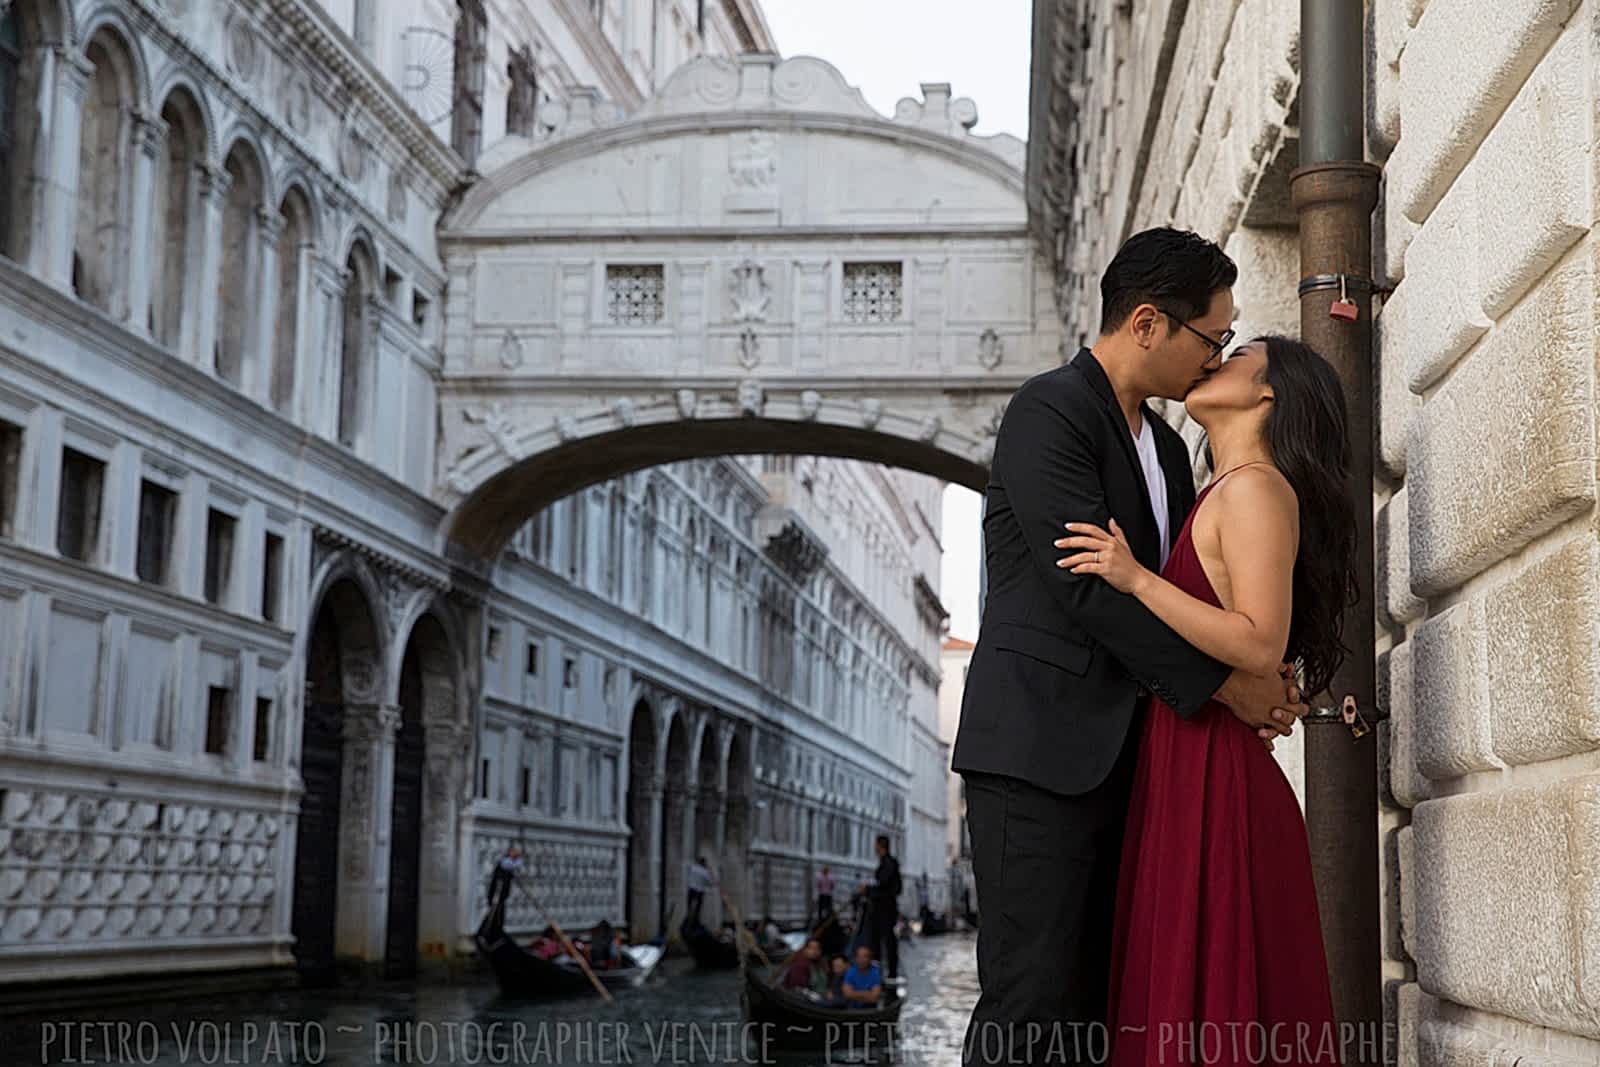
x=361 y=274
x=100 y=247
x=172 y=226
x=238 y=295
x=293 y=244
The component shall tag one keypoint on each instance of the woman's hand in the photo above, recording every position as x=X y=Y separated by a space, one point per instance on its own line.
x=1105 y=554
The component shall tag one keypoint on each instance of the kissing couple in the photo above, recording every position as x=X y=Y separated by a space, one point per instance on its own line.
x=1140 y=859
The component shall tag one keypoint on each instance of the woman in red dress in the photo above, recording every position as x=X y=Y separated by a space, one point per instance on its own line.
x=1217 y=954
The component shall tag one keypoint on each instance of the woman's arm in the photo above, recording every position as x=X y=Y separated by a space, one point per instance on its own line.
x=1259 y=523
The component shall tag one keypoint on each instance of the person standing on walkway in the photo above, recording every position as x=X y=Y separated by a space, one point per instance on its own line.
x=824 y=894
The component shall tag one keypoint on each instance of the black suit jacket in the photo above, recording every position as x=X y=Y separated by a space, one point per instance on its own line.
x=1060 y=658
x=886 y=888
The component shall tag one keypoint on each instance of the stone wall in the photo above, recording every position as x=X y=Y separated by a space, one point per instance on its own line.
x=1487 y=581
x=1483 y=116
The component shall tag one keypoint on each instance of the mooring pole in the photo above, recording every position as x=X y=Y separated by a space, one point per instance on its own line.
x=1334 y=191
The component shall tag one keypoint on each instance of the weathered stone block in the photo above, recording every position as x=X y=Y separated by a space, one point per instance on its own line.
x=1405 y=857
x=1448 y=105
x=1396 y=402
x=1392 y=231
x=1390 y=896
x=1543 y=682
x=1450 y=688
x=1529 y=388
x=1413 y=1007
x=1392 y=551
x=1532 y=175
x=1503 y=886
x=1406 y=781
x=1444 y=297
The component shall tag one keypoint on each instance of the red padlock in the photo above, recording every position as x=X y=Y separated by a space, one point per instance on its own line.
x=1344 y=308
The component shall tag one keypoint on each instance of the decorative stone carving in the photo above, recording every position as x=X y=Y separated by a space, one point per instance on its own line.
x=106 y=868
x=929 y=429
x=871 y=412
x=566 y=427
x=497 y=424
x=360 y=676
x=752 y=160
x=243 y=47
x=752 y=296
x=810 y=404
x=510 y=351
x=625 y=411
x=749 y=348
x=397 y=196
x=296 y=95
x=990 y=349
x=687 y=403
x=354 y=149
x=752 y=397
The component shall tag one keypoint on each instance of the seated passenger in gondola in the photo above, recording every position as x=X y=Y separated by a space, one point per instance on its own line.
x=837 y=966
x=805 y=972
x=546 y=946
x=603 y=951
x=863 y=983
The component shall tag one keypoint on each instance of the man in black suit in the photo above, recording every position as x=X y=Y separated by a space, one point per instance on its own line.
x=1064 y=663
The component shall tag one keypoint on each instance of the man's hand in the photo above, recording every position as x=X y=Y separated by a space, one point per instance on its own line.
x=1270 y=705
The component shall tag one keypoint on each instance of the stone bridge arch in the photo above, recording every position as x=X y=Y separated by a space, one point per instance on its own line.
x=754 y=262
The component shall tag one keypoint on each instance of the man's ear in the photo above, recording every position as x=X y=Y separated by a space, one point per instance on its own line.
x=1143 y=324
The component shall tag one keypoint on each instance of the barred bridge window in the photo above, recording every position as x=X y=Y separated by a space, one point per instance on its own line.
x=871 y=292
x=635 y=296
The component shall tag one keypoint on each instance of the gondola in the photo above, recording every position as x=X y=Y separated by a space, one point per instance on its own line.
x=523 y=974
x=794 y=1021
x=709 y=951
x=933 y=925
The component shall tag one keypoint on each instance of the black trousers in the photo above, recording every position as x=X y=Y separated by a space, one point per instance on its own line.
x=1045 y=865
x=693 y=916
x=885 y=945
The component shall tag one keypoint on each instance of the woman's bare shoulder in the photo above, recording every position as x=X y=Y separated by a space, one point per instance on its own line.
x=1257 y=497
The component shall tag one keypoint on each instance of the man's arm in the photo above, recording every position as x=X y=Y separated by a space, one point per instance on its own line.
x=1052 y=477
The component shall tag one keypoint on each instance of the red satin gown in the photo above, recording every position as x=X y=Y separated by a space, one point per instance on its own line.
x=1217 y=954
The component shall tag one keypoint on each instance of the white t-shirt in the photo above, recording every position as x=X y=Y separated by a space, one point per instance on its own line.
x=1156 y=480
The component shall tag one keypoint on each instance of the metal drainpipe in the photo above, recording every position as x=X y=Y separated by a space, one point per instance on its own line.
x=1334 y=191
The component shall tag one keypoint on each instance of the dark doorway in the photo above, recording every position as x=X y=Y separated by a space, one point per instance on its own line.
x=405 y=828
x=641 y=765
x=316 y=857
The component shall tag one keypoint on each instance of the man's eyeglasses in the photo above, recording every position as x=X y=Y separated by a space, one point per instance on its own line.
x=1217 y=345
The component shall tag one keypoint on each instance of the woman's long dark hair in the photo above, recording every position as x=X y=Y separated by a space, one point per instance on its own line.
x=1309 y=439
x=1310 y=442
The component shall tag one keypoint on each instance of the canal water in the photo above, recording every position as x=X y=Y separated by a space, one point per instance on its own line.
x=681 y=1015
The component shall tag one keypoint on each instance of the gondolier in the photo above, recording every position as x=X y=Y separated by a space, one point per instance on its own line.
x=700 y=881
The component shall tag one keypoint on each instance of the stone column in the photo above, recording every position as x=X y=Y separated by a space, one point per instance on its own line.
x=149 y=141
x=644 y=873
x=675 y=806
x=438 y=919
x=364 y=822
x=320 y=389
x=708 y=840
x=62 y=87
x=200 y=327
x=258 y=365
x=735 y=851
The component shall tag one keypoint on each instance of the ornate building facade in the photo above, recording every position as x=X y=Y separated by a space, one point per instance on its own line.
x=255 y=708
x=1483 y=118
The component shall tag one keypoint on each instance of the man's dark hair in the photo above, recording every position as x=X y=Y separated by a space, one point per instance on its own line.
x=883 y=839
x=1176 y=270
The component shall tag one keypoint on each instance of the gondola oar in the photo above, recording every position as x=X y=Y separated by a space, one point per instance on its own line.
x=566 y=943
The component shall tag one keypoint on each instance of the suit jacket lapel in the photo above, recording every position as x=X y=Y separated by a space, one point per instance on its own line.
x=1085 y=363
